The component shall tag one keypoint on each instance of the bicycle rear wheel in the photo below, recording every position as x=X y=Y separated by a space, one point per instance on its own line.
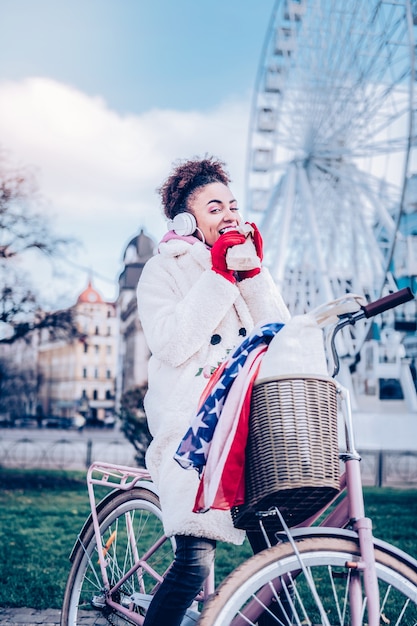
x=130 y=522
x=270 y=588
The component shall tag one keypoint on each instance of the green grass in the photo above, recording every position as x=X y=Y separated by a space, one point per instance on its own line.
x=42 y=512
x=39 y=523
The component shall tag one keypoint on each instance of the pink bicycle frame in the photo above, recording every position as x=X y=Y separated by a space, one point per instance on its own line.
x=126 y=478
x=350 y=510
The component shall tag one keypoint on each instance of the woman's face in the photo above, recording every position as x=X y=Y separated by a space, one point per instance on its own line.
x=215 y=210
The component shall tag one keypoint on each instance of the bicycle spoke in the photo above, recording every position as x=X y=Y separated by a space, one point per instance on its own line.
x=270 y=586
x=131 y=530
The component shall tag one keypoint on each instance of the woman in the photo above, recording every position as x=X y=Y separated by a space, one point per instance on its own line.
x=193 y=310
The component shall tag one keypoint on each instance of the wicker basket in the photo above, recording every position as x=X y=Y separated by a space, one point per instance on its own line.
x=292 y=454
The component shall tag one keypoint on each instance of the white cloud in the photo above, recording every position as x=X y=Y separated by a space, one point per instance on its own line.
x=99 y=170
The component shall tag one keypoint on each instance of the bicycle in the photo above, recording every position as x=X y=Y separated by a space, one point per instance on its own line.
x=331 y=574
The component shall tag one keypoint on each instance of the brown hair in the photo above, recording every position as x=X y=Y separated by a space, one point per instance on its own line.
x=186 y=177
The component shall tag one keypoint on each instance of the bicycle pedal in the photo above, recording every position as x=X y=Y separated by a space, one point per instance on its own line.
x=142 y=600
x=99 y=602
x=191 y=618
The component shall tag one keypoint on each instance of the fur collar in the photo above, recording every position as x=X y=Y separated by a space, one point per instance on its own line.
x=179 y=246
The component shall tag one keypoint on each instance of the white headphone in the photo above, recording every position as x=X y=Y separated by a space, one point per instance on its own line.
x=183 y=224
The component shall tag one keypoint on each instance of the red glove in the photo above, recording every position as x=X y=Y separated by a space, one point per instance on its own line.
x=259 y=247
x=218 y=253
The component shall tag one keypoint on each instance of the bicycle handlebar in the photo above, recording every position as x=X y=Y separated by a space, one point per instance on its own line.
x=388 y=302
x=368 y=310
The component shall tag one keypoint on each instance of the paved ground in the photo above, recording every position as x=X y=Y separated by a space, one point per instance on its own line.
x=29 y=617
x=48 y=617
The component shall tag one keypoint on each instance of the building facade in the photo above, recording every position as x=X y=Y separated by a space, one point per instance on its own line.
x=79 y=377
x=133 y=350
x=87 y=376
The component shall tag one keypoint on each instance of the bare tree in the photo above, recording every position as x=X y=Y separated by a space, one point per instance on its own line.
x=21 y=314
x=24 y=228
x=133 y=421
x=18 y=390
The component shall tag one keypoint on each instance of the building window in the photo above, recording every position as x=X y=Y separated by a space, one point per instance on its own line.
x=108 y=374
x=108 y=395
x=84 y=372
x=108 y=331
x=108 y=349
x=95 y=394
x=86 y=347
x=96 y=331
x=96 y=372
x=97 y=349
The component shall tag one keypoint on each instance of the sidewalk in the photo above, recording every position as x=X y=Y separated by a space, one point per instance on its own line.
x=47 y=617
x=29 y=617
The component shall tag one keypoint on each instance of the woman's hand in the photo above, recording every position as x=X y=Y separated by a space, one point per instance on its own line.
x=218 y=253
x=259 y=247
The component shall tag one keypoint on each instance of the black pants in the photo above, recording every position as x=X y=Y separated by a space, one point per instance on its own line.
x=184 y=580
x=193 y=559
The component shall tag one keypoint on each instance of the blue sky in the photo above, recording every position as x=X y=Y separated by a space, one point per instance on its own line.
x=138 y=54
x=99 y=97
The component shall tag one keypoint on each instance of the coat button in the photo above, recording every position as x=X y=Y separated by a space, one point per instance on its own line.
x=215 y=339
x=242 y=332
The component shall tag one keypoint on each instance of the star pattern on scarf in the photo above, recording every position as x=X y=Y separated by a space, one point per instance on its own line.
x=195 y=445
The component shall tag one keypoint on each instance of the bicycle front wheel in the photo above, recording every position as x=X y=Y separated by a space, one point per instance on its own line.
x=130 y=526
x=271 y=588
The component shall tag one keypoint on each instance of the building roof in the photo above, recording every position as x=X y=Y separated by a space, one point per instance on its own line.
x=90 y=296
x=139 y=249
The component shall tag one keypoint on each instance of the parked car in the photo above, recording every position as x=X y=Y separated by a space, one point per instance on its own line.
x=57 y=421
x=5 y=421
x=26 y=421
x=109 y=421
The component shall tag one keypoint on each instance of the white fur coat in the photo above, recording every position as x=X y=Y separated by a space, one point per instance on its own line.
x=191 y=317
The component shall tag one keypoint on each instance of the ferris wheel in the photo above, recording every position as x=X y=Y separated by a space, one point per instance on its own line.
x=331 y=146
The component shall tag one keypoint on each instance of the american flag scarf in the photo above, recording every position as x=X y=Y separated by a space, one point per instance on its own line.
x=226 y=396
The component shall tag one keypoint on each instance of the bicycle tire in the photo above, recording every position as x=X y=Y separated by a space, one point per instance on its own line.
x=325 y=557
x=84 y=597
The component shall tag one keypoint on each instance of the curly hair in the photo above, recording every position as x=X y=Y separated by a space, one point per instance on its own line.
x=186 y=177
